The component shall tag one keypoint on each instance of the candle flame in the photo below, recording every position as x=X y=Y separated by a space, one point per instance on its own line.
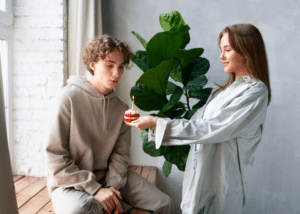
x=132 y=102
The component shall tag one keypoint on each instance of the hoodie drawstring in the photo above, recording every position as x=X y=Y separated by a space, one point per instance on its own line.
x=104 y=126
x=105 y=113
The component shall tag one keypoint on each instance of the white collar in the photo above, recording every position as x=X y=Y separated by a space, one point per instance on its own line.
x=247 y=79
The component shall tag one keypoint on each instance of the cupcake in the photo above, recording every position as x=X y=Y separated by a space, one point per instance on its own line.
x=131 y=115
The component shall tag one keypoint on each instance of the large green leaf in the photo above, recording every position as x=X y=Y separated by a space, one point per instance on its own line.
x=179 y=105
x=146 y=98
x=197 y=83
x=178 y=154
x=167 y=167
x=176 y=113
x=195 y=69
x=201 y=66
x=159 y=114
x=144 y=43
x=149 y=147
x=188 y=56
x=188 y=115
x=174 y=22
x=198 y=105
x=173 y=99
x=185 y=35
x=181 y=167
x=187 y=59
x=176 y=73
x=201 y=94
x=157 y=78
x=171 y=21
x=163 y=46
x=186 y=73
x=170 y=88
x=144 y=135
x=141 y=59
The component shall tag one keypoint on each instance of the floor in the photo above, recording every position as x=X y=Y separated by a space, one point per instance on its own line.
x=33 y=198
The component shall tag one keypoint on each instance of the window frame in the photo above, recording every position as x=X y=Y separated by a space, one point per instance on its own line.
x=6 y=33
x=6 y=17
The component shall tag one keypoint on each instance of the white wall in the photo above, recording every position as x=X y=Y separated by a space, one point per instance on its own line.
x=273 y=181
x=38 y=74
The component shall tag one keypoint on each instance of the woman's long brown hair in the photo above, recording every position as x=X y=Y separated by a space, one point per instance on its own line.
x=246 y=39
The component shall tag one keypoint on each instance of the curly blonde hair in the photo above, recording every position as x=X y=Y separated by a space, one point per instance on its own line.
x=99 y=47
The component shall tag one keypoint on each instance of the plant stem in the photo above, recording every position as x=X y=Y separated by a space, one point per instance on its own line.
x=187 y=99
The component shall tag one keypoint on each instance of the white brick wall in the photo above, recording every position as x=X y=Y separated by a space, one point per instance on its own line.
x=39 y=72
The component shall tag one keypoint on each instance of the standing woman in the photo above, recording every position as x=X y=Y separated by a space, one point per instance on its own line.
x=225 y=133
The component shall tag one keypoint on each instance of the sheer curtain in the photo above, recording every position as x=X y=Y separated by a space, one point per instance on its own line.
x=7 y=190
x=84 y=23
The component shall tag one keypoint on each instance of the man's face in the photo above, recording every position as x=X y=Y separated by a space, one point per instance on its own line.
x=109 y=71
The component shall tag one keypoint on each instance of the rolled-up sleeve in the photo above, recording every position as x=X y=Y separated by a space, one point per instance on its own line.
x=240 y=118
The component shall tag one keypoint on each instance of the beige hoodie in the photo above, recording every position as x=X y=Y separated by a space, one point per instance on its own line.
x=87 y=140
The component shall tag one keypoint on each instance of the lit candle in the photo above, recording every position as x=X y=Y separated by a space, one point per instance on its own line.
x=132 y=101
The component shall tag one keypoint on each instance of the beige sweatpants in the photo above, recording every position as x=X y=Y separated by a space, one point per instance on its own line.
x=138 y=192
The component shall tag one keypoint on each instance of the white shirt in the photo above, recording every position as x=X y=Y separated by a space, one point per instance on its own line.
x=223 y=134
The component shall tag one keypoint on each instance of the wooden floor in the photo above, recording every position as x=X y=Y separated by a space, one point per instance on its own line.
x=33 y=198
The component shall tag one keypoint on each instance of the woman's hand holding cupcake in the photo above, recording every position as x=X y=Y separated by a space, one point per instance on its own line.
x=132 y=118
x=143 y=122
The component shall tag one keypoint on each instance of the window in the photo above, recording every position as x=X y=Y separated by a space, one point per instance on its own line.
x=6 y=58
x=6 y=15
x=6 y=35
x=3 y=5
x=4 y=68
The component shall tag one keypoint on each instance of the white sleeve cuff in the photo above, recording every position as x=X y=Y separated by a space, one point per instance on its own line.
x=160 y=131
x=151 y=134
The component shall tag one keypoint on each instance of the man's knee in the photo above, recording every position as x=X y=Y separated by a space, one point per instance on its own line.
x=68 y=209
x=66 y=204
x=145 y=195
x=166 y=203
x=90 y=205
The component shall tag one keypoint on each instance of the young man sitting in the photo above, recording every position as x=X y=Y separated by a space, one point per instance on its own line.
x=88 y=142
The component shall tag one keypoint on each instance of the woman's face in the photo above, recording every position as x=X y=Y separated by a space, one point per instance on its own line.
x=233 y=62
x=108 y=72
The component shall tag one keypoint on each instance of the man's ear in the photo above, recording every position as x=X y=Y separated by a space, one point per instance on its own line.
x=92 y=65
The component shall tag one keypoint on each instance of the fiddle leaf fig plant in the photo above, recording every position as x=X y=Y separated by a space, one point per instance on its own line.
x=171 y=74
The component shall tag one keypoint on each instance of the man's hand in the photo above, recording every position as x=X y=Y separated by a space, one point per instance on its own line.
x=143 y=122
x=108 y=200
